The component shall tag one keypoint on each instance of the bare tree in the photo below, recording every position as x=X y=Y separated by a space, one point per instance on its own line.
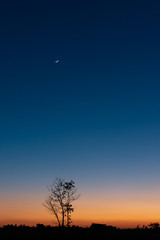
x=59 y=201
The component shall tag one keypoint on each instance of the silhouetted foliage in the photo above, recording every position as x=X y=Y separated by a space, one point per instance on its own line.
x=98 y=231
x=59 y=201
x=154 y=225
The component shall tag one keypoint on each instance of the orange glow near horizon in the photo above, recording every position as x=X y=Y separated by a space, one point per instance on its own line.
x=122 y=211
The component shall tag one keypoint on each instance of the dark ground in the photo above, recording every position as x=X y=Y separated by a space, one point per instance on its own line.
x=48 y=232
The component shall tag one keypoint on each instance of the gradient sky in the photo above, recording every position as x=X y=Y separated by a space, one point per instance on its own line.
x=94 y=117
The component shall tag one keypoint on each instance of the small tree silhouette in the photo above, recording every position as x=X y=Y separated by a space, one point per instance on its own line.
x=154 y=225
x=70 y=197
x=59 y=201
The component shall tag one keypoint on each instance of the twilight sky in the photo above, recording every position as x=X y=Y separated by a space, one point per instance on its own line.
x=93 y=117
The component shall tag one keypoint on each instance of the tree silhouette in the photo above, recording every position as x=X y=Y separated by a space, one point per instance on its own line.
x=59 y=201
x=154 y=225
x=70 y=197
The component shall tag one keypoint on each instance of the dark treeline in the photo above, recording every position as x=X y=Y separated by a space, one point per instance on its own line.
x=100 y=231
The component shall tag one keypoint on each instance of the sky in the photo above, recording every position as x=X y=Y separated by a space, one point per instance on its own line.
x=93 y=117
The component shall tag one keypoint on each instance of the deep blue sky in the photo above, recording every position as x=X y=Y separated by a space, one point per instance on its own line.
x=93 y=116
